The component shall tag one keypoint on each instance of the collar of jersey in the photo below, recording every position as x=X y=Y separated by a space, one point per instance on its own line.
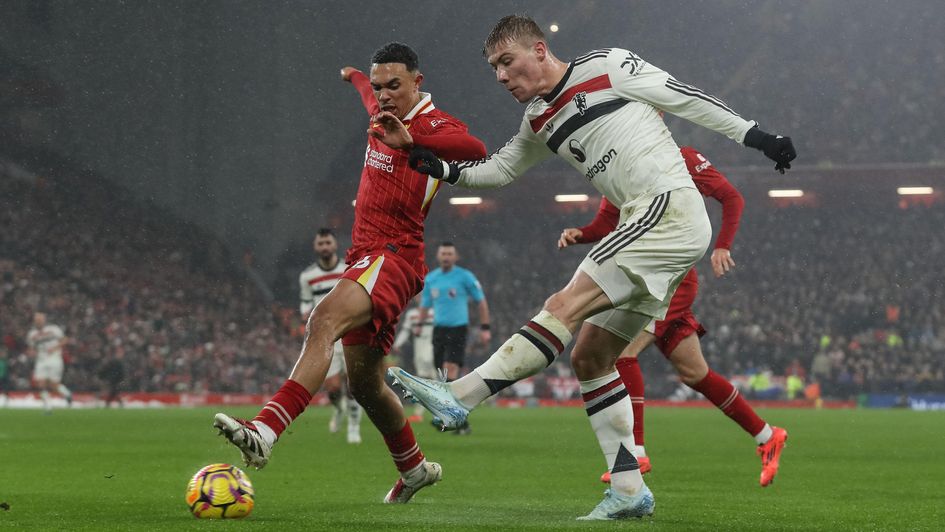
x=550 y=97
x=425 y=105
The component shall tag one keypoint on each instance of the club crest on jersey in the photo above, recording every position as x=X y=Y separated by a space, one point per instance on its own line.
x=580 y=100
x=577 y=150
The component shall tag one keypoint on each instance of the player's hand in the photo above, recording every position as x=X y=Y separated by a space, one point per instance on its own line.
x=569 y=237
x=777 y=148
x=722 y=262
x=416 y=330
x=485 y=336
x=426 y=162
x=346 y=73
x=391 y=131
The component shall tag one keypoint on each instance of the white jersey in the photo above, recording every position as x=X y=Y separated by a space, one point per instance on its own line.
x=422 y=344
x=315 y=283
x=604 y=119
x=411 y=319
x=47 y=342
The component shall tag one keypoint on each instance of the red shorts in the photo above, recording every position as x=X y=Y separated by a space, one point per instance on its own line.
x=391 y=276
x=680 y=322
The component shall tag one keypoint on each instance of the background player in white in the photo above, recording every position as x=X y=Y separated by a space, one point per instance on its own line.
x=422 y=333
x=601 y=113
x=314 y=284
x=45 y=342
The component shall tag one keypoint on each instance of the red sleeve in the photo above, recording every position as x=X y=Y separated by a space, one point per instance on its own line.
x=459 y=146
x=712 y=183
x=447 y=137
x=604 y=222
x=363 y=84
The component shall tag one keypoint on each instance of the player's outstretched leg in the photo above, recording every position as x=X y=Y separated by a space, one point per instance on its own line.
x=533 y=348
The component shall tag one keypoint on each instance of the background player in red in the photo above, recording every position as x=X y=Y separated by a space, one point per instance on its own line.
x=385 y=270
x=677 y=336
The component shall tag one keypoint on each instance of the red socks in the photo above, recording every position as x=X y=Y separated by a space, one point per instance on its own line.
x=404 y=449
x=632 y=378
x=286 y=405
x=723 y=395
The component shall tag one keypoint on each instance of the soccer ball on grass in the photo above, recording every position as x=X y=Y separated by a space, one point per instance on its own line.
x=220 y=491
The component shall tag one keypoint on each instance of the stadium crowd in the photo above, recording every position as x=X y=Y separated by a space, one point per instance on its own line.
x=848 y=299
x=122 y=277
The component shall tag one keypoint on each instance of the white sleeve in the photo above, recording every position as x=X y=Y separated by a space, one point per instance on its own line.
x=635 y=79
x=519 y=154
x=305 y=297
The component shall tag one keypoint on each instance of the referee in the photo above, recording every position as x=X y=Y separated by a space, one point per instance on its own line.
x=448 y=291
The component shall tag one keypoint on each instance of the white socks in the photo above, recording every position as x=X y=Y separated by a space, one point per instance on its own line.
x=267 y=434
x=530 y=350
x=611 y=415
x=762 y=437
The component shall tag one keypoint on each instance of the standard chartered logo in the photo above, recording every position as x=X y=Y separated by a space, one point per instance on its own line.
x=381 y=161
x=601 y=165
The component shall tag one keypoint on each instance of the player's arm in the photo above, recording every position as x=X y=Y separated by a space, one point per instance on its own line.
x=426 y=301
x=306 y=299
x=447 y=139
x=405 y=331
x=712 y=183
x=603 y=223
x=635 y=79
x=485 y=323
x=363 y=85
x=497 y=170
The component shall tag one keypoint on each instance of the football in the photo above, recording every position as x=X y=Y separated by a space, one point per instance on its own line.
x=220 y=491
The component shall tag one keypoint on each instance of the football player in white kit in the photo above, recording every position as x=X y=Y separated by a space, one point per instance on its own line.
x=314 y=284
x=422 y=334
x=45 y=342
x=599 y=112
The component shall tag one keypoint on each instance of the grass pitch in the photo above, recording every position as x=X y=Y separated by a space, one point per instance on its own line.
x=529 y=469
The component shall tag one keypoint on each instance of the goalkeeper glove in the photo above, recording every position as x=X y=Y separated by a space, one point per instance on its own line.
x=777 y=148
x=426 y=162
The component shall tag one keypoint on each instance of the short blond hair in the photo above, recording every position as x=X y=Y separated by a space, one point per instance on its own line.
x=513 y=28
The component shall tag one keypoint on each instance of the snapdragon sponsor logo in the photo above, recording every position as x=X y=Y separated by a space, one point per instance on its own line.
x=601 y=165
x=381 y=161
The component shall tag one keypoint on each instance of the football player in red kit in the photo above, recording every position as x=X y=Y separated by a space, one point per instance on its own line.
x=677 y=335
x=385 y=270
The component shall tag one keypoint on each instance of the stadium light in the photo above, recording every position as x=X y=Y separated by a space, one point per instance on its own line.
x=471 y=200
x=913 y=191
x=554 y=28
x=786 y=193
x=564 y=198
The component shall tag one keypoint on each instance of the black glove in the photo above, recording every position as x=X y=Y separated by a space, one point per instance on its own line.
x=777 y=148
x=426 y=162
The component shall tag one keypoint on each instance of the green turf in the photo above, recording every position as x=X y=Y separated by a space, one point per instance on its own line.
x=533 y=469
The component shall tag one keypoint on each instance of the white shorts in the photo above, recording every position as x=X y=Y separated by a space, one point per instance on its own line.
x=640 y=264
x=423 y=357
x=337 y=361
x=49 y=369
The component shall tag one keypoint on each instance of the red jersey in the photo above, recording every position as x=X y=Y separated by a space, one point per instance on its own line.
x=709 y=181
x=393 y=200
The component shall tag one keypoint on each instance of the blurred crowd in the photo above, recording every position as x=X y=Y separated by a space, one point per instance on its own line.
x=128 y=282
x=851 y=300
x=848 y=299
